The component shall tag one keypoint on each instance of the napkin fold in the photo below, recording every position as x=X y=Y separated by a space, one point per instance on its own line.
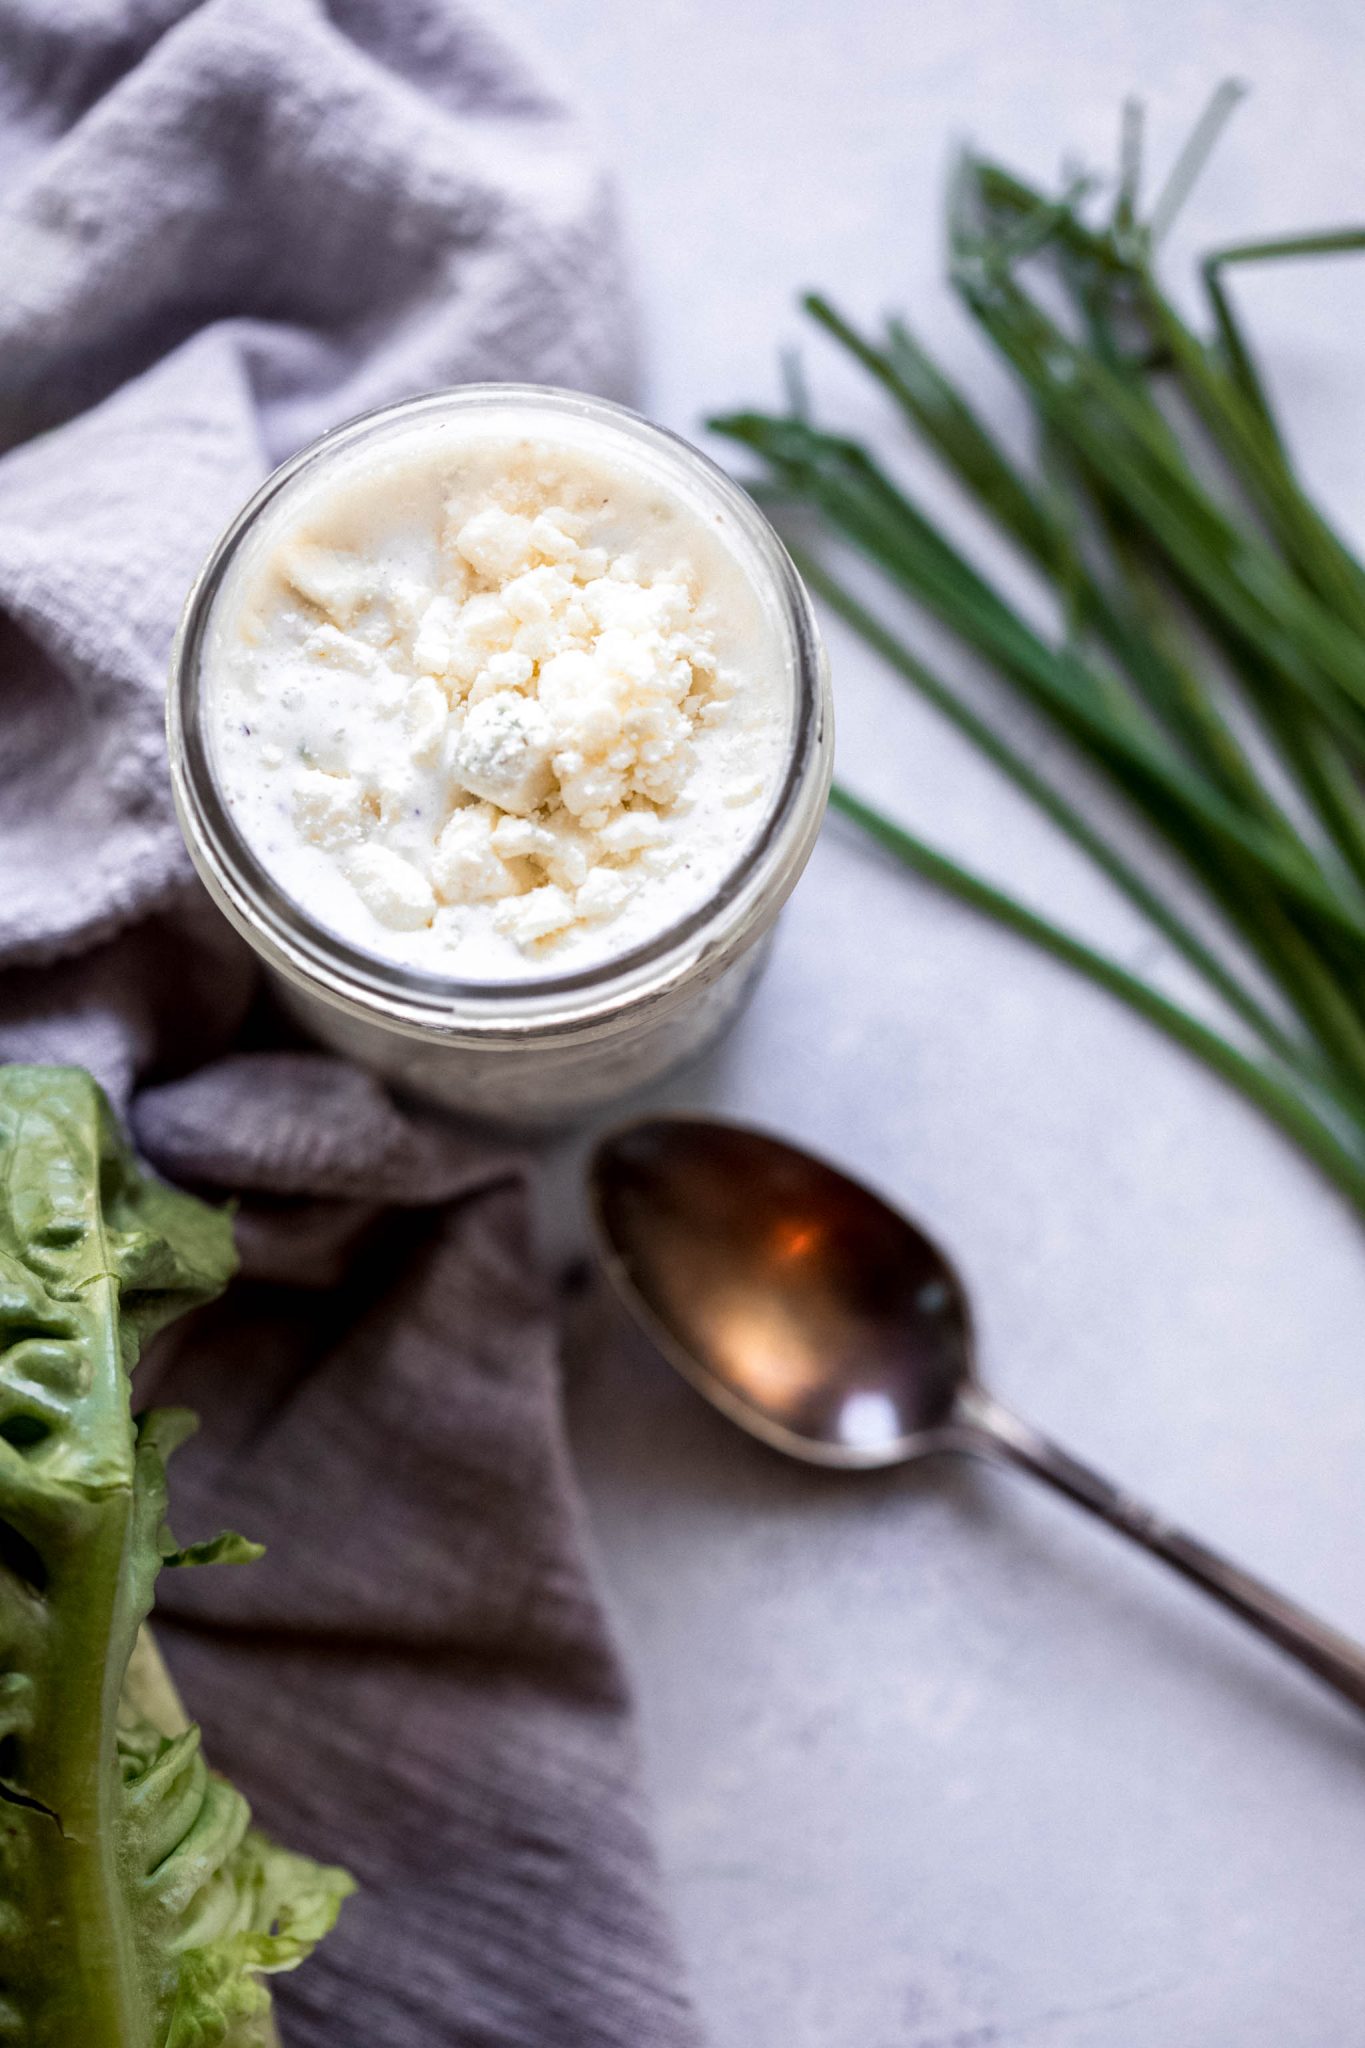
x=223 y=227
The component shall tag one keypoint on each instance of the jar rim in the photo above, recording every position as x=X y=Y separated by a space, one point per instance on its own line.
x=328 y=962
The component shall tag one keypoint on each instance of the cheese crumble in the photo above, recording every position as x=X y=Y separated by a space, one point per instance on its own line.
x=497 y=707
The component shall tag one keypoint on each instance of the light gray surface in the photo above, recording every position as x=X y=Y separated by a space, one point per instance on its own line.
x=935 y=1762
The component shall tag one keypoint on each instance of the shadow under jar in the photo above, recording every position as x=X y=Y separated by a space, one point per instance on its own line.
x=534 y=1029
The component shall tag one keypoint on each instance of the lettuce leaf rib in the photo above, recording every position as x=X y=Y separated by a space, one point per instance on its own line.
x=138 y=1908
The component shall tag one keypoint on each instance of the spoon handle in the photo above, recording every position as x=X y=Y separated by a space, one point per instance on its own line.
x=982 y=1426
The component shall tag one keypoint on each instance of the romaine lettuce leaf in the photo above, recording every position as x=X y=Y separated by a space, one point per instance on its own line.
x=138 y=1908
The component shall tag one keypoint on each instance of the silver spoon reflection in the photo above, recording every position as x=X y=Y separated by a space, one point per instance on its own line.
x=823 y=1322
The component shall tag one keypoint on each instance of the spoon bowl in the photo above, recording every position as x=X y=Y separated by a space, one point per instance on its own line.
x=799 y=1302
x=826 y=1324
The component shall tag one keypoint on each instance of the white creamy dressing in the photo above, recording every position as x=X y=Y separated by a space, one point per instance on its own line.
x=496 y=703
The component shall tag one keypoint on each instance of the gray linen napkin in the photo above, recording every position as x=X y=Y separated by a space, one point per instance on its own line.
x=223 y=227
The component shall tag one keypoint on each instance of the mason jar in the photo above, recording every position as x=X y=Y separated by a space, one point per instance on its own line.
x=550 y=1046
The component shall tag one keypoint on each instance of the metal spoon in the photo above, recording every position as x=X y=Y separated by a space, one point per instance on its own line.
x=824 y=1323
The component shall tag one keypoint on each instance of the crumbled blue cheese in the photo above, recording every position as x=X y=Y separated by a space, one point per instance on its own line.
x=485 y=720
x=392 y=889
x=559 y=691
x=503 y=750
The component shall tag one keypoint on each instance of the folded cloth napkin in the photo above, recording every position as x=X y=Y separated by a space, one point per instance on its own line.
x=222 y=227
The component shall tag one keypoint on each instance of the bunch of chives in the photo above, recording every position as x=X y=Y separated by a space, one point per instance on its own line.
x=1210 y=660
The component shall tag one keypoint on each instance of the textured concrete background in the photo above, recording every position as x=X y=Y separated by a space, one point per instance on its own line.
x=935 y=1762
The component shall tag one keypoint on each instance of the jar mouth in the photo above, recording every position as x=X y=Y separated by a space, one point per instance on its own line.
x=294 y=940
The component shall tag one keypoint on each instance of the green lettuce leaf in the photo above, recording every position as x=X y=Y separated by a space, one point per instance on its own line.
x=138 y=1908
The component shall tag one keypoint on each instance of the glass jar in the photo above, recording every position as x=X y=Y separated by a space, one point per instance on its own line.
x=549 y=1047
